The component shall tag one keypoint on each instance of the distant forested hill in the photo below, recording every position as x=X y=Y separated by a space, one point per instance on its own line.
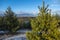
x=20 y=15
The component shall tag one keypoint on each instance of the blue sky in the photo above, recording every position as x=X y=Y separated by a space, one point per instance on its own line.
x=28 y=5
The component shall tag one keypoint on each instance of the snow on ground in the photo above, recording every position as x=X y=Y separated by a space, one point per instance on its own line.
x=21 y=36
x=17 y=37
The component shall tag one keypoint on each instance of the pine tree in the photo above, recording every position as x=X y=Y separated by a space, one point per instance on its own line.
x=11 y=21
x=44 y=26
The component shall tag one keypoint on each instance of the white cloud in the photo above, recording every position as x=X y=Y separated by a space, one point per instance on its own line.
x=55 y=5
x=56 y=2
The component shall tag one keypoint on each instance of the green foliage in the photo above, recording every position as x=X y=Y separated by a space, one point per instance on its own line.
x=57 y=16
x=58 y=19
x=44 y=27
x=1 y=23
x=26 y=25
x=11 y=22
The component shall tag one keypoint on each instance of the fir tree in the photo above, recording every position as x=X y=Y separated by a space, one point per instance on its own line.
x=11 y=21
x=44 y=26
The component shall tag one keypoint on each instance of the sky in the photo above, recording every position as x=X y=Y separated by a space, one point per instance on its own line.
x=30 y=6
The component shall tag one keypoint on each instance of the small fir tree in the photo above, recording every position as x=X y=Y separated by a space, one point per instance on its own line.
x=11 y=21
